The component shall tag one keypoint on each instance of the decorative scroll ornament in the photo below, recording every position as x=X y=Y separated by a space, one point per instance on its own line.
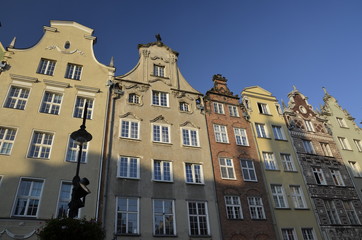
x=160 y=119
x=181 y=94
x=165 y=81
x=17 y=236
x=135 y=86
x=52 y=47
x=188 y=123
x=163 y=59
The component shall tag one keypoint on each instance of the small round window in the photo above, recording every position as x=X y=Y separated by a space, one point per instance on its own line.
x=67 y=45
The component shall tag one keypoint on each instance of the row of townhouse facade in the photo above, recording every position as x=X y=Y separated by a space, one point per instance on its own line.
x=167 y=161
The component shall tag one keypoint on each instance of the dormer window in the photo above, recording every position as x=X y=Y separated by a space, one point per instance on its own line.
x=158 y=70
x=73 y=71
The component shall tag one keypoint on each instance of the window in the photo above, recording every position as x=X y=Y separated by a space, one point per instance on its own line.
x=17 y=98
x=65 y=196
x=326 y=149
x=129 y=129
x=263 y=108
x=162 y=171
x=127 y=216
x=28 y=197
x=73 y=149
x=248 y=170
x=337 y=177
x=46 y=66
x=341 y=122
x=279 y=196
x=190 y=137
x=164 y=217
x=332 y=212
x=219 y=108
x=184 y=107
x=297 y=197
x=233 y=207
x=287 y=162
x=7 y=137
x=355 y=169
x=308 y=234
x=269 y=161
x=194 y=173
x=41 y=145
x=73 y=71
x=80 y=106
x=128 y=167
x=51 y=103
x=309 y=125
x=319 y=176
x=240 y=137
x=344 y=143
x=279 y=109
x=261 y=130
x=256 y=208
x=160 y=98
x=288 y=234
x=358 y=144
x=351 y=213
x=278 y=133
x=233 y=110
x=161 y=133
x=227 y=168
x=308 y=146
x=221 y=133
x=198 y=218
x=133 y=98
x=158 y=71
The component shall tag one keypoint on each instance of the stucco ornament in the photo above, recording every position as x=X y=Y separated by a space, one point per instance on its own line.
x=17 y=236
x=54 y=47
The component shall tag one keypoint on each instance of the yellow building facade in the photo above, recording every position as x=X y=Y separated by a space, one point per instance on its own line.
x=43 y=95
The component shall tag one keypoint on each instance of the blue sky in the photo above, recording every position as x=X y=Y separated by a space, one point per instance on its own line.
x=271 y=43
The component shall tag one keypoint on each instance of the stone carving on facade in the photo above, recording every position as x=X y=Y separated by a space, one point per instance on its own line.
x=161 y=58
x=164 y=80
x=188 y=123
x=135 y=86
x=146 y=53
x=183 y=95
x=160 y=119
x=52 y=47
x=130 y=115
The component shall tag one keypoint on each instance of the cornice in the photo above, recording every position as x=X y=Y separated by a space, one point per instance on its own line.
x=87 y=89
x=23 y=78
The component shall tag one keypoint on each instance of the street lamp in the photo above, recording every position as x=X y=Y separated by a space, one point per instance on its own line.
x=80 y=189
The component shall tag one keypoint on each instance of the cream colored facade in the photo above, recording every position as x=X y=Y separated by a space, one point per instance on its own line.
x=293 y=211
x=42 y=98
x=160 y=176
x=348 y=137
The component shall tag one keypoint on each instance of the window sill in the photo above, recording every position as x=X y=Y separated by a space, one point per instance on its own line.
x=291 y=171
x=258 y=219
x=200 y=236
x=163 y=143
x=165 y=236
x=269 y=138
x=272 y=170
x=222 y=142
x=39 y=158
x=153 y=105
x=131 y=139
x=347 y=149
x=128 y=178
x=279 y=208
x=301 y=209
x=128 y=234
x=243 y=145
x=161 y=181
x=266 y=114
x=195 y=184
x=163 y=77
x=191 y=147
x=282 y=140
x=251 y=181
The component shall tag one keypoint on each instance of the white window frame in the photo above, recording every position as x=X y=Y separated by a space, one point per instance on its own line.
x=199 y=217
x=194 y=173
x=358 y=144
x=309 y=125
x=127 y=212
x=337 y=177
x=279 y=197
x=46 y=67
x=288 y=234
x=158 y=70
x=161 y=133
x=184 y=107
x=79 y=107
x=65 y=196
x=190 y=137
x=160 y=99
x=165 y=215
x=278 y=132
x=130 y=171
x=248 y=170
x=17 y=97
x=326 y=149
x=319 y=176
x=270 y=161
x=73 y=150
x=351 y=213
x=221 y=134
x=233 y=110
x=241 y=137
x=227 y=170
x=133 y=98
x=308 y=146
x=344 y=143
x=261 y=130
x=256 y=208
x=218 y=108
x=342 y=123
x=296 y=193
x=263 y=108
x=29 y=197
x=129 y=128
x=356 y=169
x=233 y=207
x=332 y=212
x=288 y=163
x=162 y=171
x=43 y=147
x=73 y=71
x=7 y=140
x=308 y=234
x=51 y=103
